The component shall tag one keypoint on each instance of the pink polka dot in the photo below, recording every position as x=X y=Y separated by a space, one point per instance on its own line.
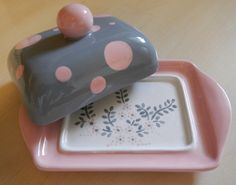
x=63 y=74
x=28 y=41
x=95 y=28
x=118 y=55
x=19 y=71
x=112 y=23
x=98 y=84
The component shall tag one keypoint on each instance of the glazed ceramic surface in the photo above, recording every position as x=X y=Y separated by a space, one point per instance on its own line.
x=151 y=115
x=58 y=76
x=203 y=98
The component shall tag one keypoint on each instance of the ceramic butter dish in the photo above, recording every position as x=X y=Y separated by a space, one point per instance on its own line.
x=87 y=58
x=95 y=72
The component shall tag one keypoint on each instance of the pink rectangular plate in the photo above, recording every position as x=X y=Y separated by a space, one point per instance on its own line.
x=212 y=116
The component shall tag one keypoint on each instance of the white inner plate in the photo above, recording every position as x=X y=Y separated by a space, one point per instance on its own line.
x=151 y=115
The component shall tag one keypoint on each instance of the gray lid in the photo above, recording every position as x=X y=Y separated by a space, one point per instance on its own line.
x=58 y=76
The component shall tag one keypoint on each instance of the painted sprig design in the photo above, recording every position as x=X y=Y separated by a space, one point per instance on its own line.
x=109 y=116
x=134 y=125
x=122 y=96
x=154 y=113
x=140 y=129
x=109 y=120
x=86 y=114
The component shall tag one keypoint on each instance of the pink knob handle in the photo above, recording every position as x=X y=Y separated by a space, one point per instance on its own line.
x=74 y=20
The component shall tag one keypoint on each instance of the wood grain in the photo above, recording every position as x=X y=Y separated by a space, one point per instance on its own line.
x=202 y=31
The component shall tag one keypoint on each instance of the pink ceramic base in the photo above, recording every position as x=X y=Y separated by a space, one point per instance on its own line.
x=212 y=112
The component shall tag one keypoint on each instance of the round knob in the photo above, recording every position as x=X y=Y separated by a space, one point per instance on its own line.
x=74 y=20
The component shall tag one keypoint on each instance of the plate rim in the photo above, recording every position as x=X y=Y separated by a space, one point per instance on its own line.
x=85 y=162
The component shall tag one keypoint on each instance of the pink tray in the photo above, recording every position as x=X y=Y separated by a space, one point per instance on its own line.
x=210 y=107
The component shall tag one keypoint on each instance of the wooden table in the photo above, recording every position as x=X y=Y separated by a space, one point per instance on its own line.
x=202 y=31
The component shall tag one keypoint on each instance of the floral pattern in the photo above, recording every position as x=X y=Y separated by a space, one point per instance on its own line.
x=135 y=120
